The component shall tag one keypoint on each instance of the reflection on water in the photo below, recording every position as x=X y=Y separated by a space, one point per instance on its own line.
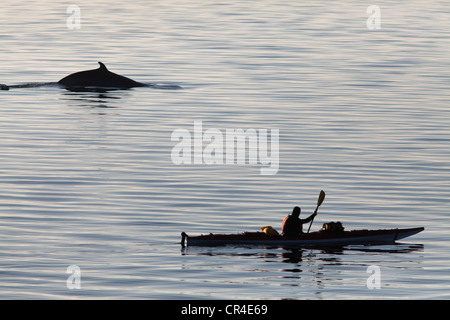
x=94 y=99
x=292 y=256
x=296 y=255
x=307 y=271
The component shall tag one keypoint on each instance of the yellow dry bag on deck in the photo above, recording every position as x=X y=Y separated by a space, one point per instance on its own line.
x=269 y=231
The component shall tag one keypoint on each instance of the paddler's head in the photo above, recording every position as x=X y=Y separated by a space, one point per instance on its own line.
x=296 y=212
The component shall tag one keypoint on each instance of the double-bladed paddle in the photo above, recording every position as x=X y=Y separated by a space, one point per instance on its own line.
x=319 y=202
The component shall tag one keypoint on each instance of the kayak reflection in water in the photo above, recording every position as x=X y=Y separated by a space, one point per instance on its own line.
x=293 y=225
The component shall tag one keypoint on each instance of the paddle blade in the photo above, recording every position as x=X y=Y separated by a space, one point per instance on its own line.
x=319 y=202
x=321 y=198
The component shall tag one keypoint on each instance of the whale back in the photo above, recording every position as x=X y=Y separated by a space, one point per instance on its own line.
x=99 y=78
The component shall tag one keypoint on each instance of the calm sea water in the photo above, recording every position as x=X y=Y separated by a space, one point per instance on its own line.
x=87 y=178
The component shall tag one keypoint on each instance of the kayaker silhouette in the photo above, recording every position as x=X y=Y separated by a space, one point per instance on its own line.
x=293 y=225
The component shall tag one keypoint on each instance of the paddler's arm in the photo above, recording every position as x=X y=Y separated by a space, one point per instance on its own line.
x=309 y=218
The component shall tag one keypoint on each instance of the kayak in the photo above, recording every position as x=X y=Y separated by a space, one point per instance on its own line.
x=319 y=238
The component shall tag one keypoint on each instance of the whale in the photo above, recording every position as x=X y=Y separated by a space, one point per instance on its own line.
x=98 y=78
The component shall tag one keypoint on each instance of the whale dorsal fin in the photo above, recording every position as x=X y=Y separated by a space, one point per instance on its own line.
x=102 y=66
